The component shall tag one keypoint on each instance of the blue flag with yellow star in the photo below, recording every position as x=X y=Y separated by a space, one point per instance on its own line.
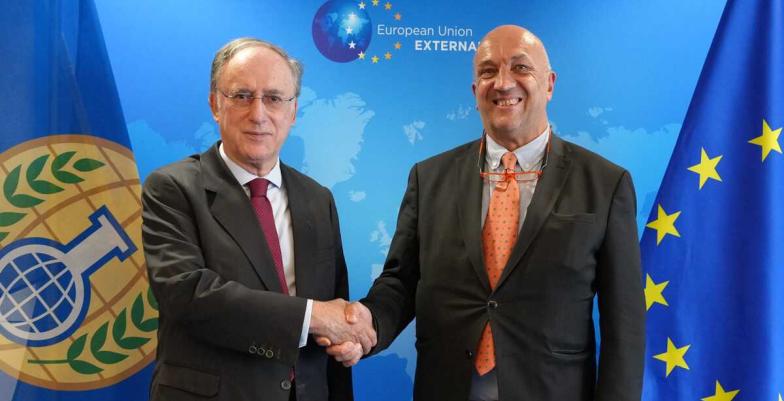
x=713 y=248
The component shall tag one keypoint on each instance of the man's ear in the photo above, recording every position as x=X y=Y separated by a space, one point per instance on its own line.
x=213 y=100
x=550 y=85
x=294 y=115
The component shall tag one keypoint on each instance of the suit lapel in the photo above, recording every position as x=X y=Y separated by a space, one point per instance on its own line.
x=231 y=207
x=469 y=210
x=547 y=191
x=304 y=236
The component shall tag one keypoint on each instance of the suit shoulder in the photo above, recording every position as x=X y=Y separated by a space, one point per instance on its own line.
x=306 y=182
x=591 y=160
x=184 y=170
x=449 y=156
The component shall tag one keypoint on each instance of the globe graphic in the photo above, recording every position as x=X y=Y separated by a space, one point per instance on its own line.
x=341 y=30
x=113 y=287
x=39 y=294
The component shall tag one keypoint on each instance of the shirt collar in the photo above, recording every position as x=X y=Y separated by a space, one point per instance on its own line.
x=527 y=155
x=244 y=176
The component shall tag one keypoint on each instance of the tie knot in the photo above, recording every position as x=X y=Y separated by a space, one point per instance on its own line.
x=258 y=187
x=509 y=160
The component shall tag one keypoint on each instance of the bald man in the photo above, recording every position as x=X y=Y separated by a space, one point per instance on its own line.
x=500 y=247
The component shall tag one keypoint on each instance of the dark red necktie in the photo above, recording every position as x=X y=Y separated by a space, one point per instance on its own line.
x=263 y=209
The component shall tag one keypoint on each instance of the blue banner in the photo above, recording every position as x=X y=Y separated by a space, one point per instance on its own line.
x=712 y=252
x=77 y=319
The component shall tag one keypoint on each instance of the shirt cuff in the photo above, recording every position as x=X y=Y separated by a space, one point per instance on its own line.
x=303 y=338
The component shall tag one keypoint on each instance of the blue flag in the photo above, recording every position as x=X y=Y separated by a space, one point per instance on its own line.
x=77 y=319
x=713 y=247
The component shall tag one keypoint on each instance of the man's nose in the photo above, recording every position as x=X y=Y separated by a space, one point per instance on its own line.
x=504 y=80
x=257 y=111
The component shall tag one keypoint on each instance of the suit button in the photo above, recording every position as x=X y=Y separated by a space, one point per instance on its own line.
x=285 y=384
x=269 y=354
x=492 y=304
x=252 y=349
x=469 y=354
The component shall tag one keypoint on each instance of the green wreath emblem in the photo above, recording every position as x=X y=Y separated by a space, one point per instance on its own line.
x=98 y=339
x=40 y=186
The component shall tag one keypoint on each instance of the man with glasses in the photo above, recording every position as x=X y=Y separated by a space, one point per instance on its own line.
x=244 y=253
x=500 y=247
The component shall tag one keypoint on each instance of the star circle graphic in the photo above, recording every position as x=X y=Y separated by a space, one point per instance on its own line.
x=341 y=30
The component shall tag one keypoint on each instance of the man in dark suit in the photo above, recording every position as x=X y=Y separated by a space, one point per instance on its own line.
x=242 y=250
x=501 y=267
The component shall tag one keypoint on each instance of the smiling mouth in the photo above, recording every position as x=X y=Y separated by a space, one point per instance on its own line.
x=507 y=102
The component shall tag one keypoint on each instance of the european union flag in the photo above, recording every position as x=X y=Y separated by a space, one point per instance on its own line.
x=713 y=248
x=77 y=319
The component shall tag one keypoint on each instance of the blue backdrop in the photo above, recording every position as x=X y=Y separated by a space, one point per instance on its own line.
x=626 y=73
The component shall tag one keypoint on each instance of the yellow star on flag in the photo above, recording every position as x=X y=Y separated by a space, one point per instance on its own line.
x=361 y=55
x=673 y=357
x=388 y=55
x=721 y=395
x=664 y=224
x=769 y=140
x=388 y=6
x=375 y=3
x=653 y=292
x=707 y=167
x=398 y=16
x=398 y=45
x=780 y=397
x=374 y=59
x=362 y=5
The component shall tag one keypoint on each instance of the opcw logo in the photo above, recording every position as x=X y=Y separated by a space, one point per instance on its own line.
x=75 y=308
x=342 y=31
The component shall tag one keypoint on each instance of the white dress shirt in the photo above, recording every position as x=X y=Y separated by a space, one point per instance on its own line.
x=279 y=200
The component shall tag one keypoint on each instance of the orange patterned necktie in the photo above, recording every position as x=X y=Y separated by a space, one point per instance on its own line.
x=498 y=238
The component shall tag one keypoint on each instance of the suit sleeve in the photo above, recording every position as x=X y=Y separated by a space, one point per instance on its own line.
x=220 y=312
x=338 y=376
x=392 y=298
x=621 y=303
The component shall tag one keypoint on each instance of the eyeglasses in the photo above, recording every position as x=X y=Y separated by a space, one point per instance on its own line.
x=245 y=99
x=519 y=176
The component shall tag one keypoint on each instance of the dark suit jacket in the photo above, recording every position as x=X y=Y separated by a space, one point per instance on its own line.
x=579 y=239
x=226 y=330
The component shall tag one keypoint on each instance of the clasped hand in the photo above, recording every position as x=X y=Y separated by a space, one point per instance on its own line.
x=346 y=329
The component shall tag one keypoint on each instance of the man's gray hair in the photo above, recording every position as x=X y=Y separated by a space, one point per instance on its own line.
x=227 y=52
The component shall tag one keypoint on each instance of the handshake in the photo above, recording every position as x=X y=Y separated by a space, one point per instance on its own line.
x=346 y=329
